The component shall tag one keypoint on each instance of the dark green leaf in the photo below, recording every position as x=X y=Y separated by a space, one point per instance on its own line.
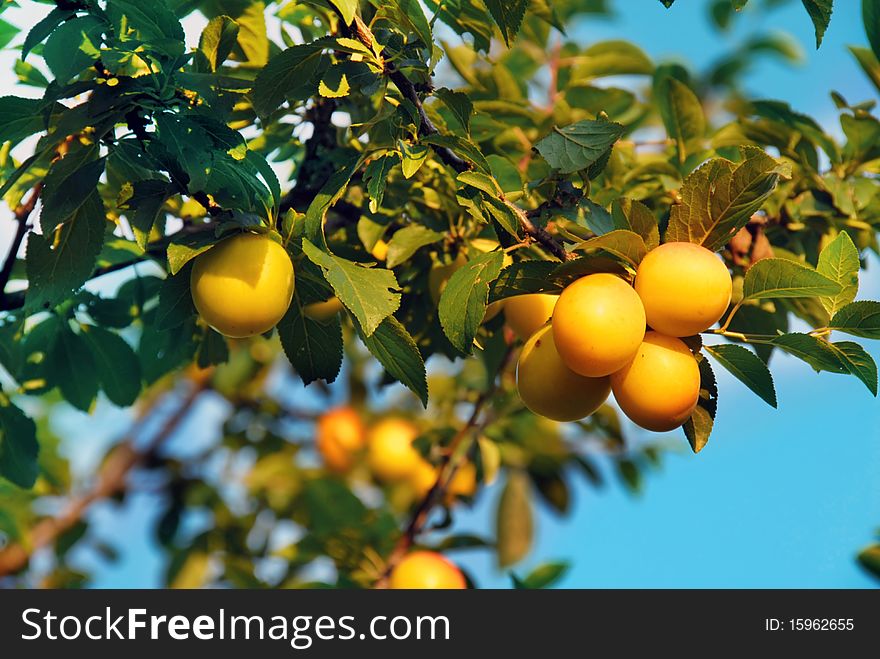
x=508 y=15
x=458 y=104
x=73 y=47
x=396 y=350
x=313 y=348
x=59 y=264
x=525 y=277
x=18 y=445
x=44 y=28
x=19 y=118
x=369 y=293
x=287 y=75
x=175 y=300
x=820 y=14
x=376 y=176
x=74 y=369
x=870 y=559
x=781 y=278
x=212 y=350
x=698 y=428
x=543 y=576
x=871 y=20
x=117 y=367
x=817 y=353
x=858 y=362
x=859 y=319
x=154 y=22
x=145 y=200
x=747 y=367
x=579 y=145
x=332 y=190
x=464 y=299
x=70 y=181
x=682 y=114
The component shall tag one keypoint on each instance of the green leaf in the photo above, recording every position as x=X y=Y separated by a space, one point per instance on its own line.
x=60 y=263
x=465 y=297
x=405 y=242
x=782 y=278
x=28 y=74
x=185 y=148
x=698 y=428
x=70 y=181
x=154 y=22
x=332 y=190
x=253 y=41
x=817 y=353
x=369 y=293
x=719 y=198
x=859 y=319
x=396 y=350
x=212 y=350
x=514 y=527
x=290 y=74
x=542 y=576
x=334 y=84
x=73 y=47
x=410 y=12
x=747 y=367
x=217 y=40
x=624 y=244
x=175 y=300
x=579 y=145
x=43 y=29
x=74 y=369
x=347 y=9
x=19 y=448
x=634 y=216
x=839 y=261
x=376 y=176
x=612 y=58
x=459 y=104
x=869 y=63
x=525 y=277
x=20 y=118
x=146 y=200
x=186 y=248
x=414 y=155
x=858 y=362
x=871 y=20
x=682 y=114
x=820 y=14
x=508 y=15
x=116 y=365
x=462 y=147
x=313 y=348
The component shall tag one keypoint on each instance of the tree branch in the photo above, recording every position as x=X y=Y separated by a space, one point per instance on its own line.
x=125 y=457
x=445 y=473
x=426 y=127
x=22 y=213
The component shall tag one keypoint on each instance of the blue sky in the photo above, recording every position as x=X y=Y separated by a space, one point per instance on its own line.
x=779 y=498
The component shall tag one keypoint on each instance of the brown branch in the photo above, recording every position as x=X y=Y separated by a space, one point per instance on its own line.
x=445 y=473
x=21 y=213
x=111 y=480
x=426 y=127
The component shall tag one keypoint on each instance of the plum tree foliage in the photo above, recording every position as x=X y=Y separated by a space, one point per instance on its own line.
x=418 y=162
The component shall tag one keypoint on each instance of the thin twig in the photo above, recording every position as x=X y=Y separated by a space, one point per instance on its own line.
x=445 y=473
x=125 y=457
x=22 y=213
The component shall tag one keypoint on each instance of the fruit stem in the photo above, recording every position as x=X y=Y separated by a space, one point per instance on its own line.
x=730 y=316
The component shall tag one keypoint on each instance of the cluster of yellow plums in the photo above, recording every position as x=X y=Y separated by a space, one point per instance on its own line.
x=343 y=440
x=605 y=336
